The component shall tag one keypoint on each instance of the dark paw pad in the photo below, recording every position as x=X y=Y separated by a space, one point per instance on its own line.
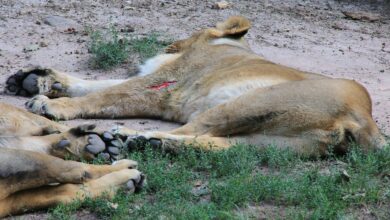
x=140 y=142
x=30 y=84
x=57 y=86
x=63 y=144
x=96 y=145
x=106 y=146
x=24 y=83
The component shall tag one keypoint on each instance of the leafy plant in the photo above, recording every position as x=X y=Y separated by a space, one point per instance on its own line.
x=108 y=51
x=148 y=46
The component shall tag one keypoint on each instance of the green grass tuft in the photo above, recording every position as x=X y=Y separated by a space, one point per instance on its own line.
x=108 y=51
x=222 y=185
x=148 y=46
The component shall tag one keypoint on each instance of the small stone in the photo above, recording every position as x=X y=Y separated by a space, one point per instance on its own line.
x=345 y=176
x=198 y=183
x=127 y=29
x=338 y=26
x=362 y=16
x=221 y=5
x=112 y=205
x=43 y=44
x=60 y=22
x=30 y=48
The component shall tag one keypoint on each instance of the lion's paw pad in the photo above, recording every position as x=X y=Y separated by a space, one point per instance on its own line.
x=31 y=82
x=139 y=142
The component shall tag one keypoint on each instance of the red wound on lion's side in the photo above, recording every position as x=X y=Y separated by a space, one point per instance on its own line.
x=162 y=85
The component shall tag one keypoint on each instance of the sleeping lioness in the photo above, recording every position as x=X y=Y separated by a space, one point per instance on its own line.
x=214 y=85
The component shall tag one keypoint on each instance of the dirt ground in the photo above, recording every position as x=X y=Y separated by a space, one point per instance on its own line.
x=310 y=35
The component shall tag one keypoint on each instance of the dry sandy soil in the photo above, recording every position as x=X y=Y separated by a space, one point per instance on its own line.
x=311 y=35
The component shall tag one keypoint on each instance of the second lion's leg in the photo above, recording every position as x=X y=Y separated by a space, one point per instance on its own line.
x=49 y=196
x=81 y=142
x=18 y=122
x=21 y=169
x=181 y=138
x=23 y=130
x=26 y=175
x=306 y=146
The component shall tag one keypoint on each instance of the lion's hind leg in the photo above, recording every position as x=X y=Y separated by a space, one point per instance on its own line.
x=48 y=196
x=306 y=116
x=25 y=176
x=22 y=169
x=166 y=141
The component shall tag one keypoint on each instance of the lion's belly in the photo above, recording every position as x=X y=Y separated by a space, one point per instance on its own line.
x=222 y=93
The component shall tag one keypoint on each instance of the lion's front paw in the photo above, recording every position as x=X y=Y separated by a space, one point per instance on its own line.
x=136 y=182
x=34 y=81
x=52 y=109
x=36 y=104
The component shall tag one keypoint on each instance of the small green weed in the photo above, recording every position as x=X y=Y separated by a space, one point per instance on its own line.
x=108 y=50
x=148 y=46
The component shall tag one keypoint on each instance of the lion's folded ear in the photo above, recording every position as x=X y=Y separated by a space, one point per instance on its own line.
x=234 y=27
